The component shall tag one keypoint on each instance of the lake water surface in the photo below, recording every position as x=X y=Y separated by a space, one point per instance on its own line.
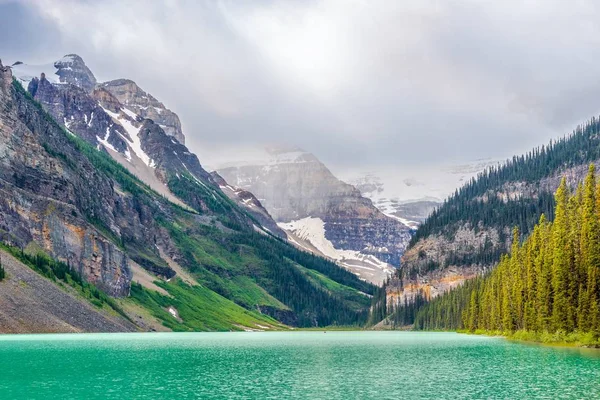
x=291 y=365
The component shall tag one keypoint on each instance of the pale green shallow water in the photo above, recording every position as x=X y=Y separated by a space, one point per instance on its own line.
x=290 y=365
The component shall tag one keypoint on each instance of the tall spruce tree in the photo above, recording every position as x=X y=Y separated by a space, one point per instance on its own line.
x=561 y=260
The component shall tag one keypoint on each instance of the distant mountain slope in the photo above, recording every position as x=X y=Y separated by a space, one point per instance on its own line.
x=200 y=263
x=410 y=195
x=298 y=191
x=251 y=204
x=309 y=234
x=470 y=231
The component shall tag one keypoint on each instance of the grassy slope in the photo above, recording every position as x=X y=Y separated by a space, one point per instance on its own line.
x=223 y=271
x=199 y=309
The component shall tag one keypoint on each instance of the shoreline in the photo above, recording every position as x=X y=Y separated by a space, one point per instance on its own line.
x=571 y=340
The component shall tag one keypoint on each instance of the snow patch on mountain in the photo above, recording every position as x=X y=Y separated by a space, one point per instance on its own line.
x=133 y=140
x=311 y=231
x=105 y=142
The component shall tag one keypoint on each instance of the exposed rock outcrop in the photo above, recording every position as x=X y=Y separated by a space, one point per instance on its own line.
x=145 y=105
x=169 y=156
x=48 y=201
x=71 y=69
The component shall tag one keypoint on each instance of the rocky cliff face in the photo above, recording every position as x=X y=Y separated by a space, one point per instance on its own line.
x=169 y=156
x=30 y=303
x=48 y=202
x=302 y=194
x=145 y=105
x=435 y=265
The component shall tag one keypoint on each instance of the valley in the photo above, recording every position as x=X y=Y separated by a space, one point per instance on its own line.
x=299 y=200
x=176 y=247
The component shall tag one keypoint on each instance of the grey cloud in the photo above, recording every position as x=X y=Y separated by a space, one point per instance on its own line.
x=25 y=34
x=374 y=83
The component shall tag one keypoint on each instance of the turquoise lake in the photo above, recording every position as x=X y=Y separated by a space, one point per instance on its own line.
x=291 y=365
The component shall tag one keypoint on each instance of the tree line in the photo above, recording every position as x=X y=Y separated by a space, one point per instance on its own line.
x=549 y=283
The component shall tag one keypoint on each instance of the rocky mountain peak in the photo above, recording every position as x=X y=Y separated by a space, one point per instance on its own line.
x=70 y=69
x=291 y=183
x=130 y=95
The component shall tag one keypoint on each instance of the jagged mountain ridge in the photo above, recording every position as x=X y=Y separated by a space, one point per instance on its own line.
x=68 y=70
x=107 y=116
x=320 y=212
x=66 y=197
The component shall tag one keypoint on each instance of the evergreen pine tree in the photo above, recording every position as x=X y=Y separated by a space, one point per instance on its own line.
x=561 y=260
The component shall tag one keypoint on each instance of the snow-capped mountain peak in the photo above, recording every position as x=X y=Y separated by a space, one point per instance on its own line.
x=69 y=69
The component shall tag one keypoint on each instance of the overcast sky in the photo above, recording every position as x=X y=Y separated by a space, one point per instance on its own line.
x=371 y=83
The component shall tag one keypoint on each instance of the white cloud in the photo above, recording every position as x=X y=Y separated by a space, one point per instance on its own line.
x=371 y=82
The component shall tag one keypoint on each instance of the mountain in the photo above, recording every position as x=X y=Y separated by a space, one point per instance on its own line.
x=68 y=70
x=548 y=289
x=106 y=204
x=320 y=213
x=411 y=196
x=467 y=235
